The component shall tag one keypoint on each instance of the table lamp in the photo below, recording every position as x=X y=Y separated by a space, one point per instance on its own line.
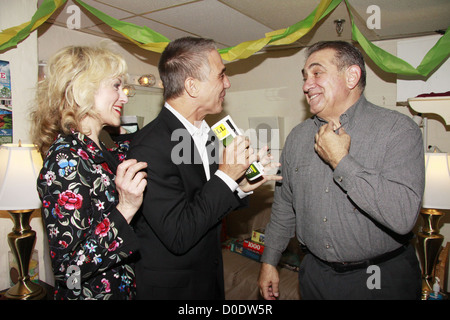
x=436 y=196
x=19 y=167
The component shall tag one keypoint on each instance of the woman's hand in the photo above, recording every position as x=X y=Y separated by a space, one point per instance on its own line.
x=131 y=182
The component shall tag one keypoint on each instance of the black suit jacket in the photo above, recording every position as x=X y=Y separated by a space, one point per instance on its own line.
x=180 y=220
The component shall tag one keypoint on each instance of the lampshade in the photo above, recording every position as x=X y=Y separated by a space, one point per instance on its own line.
x=437 y=181
x=19 y=168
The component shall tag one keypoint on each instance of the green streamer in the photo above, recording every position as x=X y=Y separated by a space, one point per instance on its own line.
x=306 y=23
x=154 y=41
x=392 y=64
x=45 y=10
x=142 y=34
x=280 y=37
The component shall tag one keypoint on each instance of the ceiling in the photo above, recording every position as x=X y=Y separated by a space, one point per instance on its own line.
x=230 y=22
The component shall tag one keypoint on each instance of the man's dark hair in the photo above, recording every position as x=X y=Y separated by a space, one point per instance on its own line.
x=346 y=55
x=183 y=58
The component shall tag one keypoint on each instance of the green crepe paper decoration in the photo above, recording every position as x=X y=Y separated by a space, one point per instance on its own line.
x=283 y=36
x=151 y=40
x=390 y=63
x=12 y=36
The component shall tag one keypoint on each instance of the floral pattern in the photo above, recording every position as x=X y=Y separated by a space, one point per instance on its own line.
x=91 y=245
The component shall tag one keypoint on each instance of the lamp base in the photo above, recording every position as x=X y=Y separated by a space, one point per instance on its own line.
x=429 y=241
x=21 y=241
x=25 y=289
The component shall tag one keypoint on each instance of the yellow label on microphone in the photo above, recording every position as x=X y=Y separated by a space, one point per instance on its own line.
x=226 y=130
x=221 y=131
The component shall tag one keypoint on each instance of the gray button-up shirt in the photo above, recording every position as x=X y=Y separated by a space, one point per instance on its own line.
x=364 y=208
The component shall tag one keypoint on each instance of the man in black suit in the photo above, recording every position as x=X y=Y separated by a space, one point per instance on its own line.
x=189 y=191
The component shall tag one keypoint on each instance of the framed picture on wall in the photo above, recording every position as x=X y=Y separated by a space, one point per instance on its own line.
x=5 y=103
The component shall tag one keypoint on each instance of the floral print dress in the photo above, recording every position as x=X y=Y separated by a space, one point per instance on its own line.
x=91 y=244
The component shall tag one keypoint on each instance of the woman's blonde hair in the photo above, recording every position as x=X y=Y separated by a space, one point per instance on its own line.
x=66 y=95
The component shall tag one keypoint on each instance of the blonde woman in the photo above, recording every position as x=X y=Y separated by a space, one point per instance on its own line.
x=89 y=194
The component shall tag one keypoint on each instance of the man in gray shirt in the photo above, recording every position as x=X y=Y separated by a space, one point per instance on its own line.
x=353 y=180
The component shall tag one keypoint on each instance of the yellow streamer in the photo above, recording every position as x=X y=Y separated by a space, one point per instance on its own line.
x=386 y=61
x=321 y=8
x=150 y=46
x=8 y=34
x=245 y=49
x=248 y=48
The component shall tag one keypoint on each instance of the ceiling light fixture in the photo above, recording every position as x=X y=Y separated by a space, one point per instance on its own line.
x=339 y=26
x=147 y=80
x=129 y=90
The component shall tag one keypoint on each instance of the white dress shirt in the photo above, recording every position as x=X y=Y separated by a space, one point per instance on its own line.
x=200 y=136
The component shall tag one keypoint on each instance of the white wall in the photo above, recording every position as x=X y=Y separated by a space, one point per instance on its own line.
x=24 y=65
x=146 y=103
x=53 y=38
